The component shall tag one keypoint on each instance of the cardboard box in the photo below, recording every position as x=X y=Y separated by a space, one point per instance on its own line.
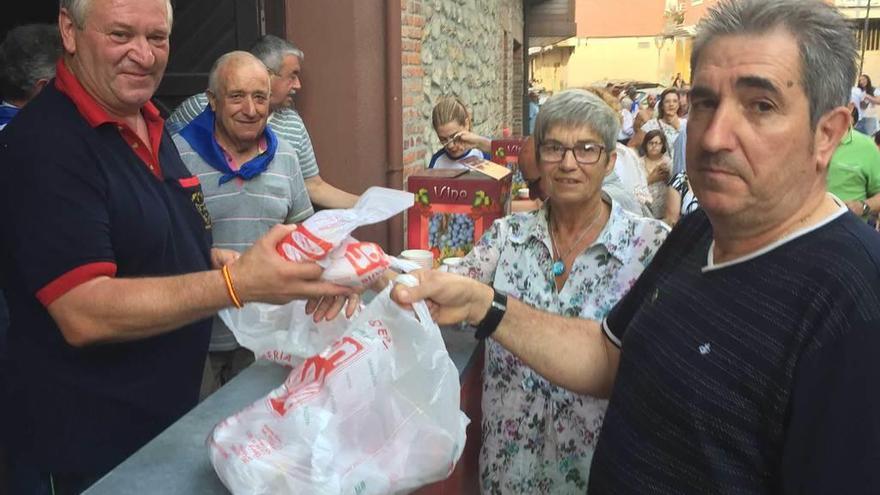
x=505 y=151
x=453 y=208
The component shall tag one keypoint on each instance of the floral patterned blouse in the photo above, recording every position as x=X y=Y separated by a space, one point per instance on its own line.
x=539 y=438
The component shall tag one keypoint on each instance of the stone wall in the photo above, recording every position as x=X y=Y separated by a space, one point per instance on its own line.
x=467 y=48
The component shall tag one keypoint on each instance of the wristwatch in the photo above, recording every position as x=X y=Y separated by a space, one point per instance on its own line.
x=866 y=209
x=493 y=317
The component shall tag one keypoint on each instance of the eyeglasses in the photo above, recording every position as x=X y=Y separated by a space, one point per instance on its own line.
x=451 y=139
x=292 y=77
x=584 y=153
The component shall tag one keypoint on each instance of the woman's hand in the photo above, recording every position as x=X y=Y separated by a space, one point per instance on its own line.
x=472 y=140
x=659 y=173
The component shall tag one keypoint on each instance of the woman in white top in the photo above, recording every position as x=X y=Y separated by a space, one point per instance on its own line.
x=658 y=168
x=667 y=119
x=869 y=97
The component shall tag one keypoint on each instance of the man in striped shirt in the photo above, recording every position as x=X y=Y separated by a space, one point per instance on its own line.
x=251 y=180
x=283 y=60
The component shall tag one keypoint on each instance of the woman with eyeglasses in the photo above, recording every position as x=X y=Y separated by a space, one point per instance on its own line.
x=577 y=255
x=667 y=119
x=658 y=168
x=452 y=123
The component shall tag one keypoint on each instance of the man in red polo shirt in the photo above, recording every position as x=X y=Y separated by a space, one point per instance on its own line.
x=106 y=256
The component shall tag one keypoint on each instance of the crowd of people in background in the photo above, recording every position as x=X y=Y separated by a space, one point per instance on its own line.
x=709 y=282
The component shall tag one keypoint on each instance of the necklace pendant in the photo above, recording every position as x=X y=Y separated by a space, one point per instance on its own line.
x=558 y=268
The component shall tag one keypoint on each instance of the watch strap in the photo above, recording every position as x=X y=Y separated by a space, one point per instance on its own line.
x=493 y=317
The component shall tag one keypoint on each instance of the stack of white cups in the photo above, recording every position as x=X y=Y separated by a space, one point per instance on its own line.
x=422 y=257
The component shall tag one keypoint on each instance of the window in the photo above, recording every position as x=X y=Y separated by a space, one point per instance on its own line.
x=873 y=38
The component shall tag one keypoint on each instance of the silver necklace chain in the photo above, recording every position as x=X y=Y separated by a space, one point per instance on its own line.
x=579 y=239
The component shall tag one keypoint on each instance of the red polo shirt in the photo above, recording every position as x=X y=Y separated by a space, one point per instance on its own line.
x=95 y=115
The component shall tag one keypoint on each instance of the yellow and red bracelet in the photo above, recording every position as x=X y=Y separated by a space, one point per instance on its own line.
x=230 y=288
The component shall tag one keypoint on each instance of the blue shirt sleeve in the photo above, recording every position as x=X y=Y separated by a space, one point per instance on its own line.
x=680 y=146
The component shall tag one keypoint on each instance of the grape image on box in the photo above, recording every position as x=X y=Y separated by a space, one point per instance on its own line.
x=451 y=233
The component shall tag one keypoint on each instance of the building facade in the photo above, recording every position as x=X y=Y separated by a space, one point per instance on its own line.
x=645 y=40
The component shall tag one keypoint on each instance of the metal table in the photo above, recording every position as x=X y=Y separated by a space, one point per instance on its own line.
x=177 y=461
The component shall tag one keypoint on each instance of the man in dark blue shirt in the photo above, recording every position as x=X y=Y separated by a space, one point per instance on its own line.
x=106 y=249
x=744 y=359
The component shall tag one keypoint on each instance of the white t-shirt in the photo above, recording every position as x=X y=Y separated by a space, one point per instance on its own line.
x=442 y=160
x=632 y=175
x=855 y=97
x=866 y=108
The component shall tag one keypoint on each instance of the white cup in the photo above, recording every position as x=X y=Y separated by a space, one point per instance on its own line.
x=452 y=261
x=523 y=193
x=449 y=262
x=422 y=257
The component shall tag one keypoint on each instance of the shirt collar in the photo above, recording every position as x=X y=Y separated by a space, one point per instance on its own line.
x=67 y=83
x=262 y=146
x=613 y=236
x=710 y=256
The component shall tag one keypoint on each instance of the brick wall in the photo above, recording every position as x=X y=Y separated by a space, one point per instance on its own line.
x=517 y=89
x=412 y=29
x=463 y=48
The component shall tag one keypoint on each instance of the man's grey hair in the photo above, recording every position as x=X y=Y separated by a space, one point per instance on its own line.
x=28 y=54
x=272 y=50
x=575 y=108
x=238 y=57
x=79 y=10
x=827 y=45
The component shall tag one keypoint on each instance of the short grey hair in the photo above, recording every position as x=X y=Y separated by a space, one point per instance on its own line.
x=238 y=57
x=272 y=50
x=28 y=54
x=827 y=45
x=578 y=108
x=79 y=10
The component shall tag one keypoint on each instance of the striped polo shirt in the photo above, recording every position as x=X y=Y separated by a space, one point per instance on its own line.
x=243 y=211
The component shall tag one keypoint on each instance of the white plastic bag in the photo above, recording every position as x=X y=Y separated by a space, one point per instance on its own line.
x=325 y=238
x=285 y=333
x=376 y=413
x=282 y=334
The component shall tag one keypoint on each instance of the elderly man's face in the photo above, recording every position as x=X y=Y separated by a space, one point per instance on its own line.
x=286 y=82
x=750 y=151
x=120 y=54
x=242 y=103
